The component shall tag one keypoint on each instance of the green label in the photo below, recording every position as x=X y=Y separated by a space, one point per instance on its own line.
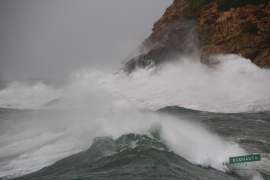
x=249 y=158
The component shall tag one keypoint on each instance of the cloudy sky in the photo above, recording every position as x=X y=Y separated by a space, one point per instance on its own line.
x=52 y=38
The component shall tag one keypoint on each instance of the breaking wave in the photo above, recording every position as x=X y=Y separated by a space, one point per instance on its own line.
x=66 y=120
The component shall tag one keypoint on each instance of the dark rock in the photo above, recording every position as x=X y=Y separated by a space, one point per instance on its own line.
x=190 y=24
x=154 y=57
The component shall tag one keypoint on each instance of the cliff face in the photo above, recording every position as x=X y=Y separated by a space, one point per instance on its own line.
x=186 y=28
x=244 y=30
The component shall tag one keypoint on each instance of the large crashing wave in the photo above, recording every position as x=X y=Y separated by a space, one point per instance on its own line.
x=102 y=105
x=233 y=85
x=42 y=141
x=128 y=157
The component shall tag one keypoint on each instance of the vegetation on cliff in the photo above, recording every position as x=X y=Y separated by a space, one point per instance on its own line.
x=210 y=27
x=226 y=5
x=250 y=27
x=197 y=5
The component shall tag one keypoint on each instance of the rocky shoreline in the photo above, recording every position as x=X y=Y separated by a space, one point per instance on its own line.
x=200 y=26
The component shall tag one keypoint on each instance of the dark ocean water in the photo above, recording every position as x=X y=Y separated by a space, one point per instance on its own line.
x=102 y=126
x=149 y=157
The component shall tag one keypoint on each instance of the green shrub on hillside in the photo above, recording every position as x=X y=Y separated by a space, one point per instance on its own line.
x=261 y=15
x=226 y=5
x=198 y=4
x=223 y=4
x=249 y=27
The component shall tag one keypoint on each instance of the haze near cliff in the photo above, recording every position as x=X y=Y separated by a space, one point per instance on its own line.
x=50 y=39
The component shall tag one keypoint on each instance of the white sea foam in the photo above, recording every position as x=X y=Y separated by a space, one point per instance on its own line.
x=234 y=85
x=63 y=135
x=22 y=95
x=98 y=104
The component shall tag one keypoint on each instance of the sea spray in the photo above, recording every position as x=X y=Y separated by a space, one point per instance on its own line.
x=46 y=139
x=97 y=104
x=234 y=84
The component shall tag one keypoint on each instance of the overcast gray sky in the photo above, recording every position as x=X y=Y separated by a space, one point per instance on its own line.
x=52 y=38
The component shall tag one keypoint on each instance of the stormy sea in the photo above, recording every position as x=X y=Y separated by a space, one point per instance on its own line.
x=182 y=120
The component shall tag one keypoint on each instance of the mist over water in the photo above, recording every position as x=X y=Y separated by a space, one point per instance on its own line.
x=233 y=85
x=46 y=137
x=51 y=108
x=66 y=119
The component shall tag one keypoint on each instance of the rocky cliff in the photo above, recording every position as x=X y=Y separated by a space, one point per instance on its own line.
x=208 y=27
